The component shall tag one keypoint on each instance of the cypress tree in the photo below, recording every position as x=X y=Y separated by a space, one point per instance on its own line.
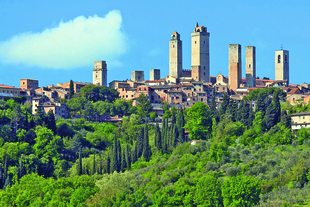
x=277 y=106
x=134 y=154
x=1 y=176
x=180 y=125
x=175 y=136
x=173 y=115
x=39 y=118
x=285 y=119
x=94 y=165
x=114 y=163
x=233 y=109
x=119 y=155
x=80 y=169
x=213 y=106
x=71 y=89
x=128 y=157
x=32 y=124
x=124 y=162
x=261 y=103
x=270 y=117
x=51 y=122
x=171 y=135
x=224 y=104
x=139 y=143
x=108 y=165
x=146 y=146
x=158 y=137
x=26 y=122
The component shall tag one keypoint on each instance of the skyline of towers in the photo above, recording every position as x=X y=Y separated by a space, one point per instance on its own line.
x=200 y=54
x=250 y=65
x=282 y=65
x=100 y=73
x=234 y=66
x=175 y=56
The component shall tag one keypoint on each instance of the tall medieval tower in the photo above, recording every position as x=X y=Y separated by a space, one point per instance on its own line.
x=100 y=73
x=282 y=65
x=175 y=56
x=234 y=66
x=200 y=54
x=250 y=61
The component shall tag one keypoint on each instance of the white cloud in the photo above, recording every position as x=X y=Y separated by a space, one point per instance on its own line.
x=155 y=52
x=71 y=44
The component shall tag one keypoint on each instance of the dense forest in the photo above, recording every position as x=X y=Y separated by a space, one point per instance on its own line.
x=242 y=156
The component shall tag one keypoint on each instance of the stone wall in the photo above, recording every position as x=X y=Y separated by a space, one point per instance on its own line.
x=250 y=62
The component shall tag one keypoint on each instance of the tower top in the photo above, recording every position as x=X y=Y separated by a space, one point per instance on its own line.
x=197 y=24
x=175 y=36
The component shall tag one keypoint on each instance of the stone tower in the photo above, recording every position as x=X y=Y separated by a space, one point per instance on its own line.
x=137 y=76
x=200 y=54
x=282 y=65
x=234 y=66
x=250 y=61
x=100 y=73
x=175 y=56
x=154 y=74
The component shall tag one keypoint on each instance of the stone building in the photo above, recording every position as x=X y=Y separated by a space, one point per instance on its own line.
x=154 y=74
x=175 y=56
x=29 y=84
x=250 y=62
x=9 y=91
x=137 y=76
x=300 y=120
x=282 y=65
x=100 y=73
x=200 y=54
x=234 y=66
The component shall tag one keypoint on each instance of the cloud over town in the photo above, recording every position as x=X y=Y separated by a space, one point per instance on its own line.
x=71 y=44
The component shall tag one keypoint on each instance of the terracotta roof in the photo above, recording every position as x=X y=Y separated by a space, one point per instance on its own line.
x=155 y=81
x=175 y=32
x=6 y=86
x=293 y=90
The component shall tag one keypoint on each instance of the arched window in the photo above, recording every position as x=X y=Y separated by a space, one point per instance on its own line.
x=279 y=58
x=173 y=46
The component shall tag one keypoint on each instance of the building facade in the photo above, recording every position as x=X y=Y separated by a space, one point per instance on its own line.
x=100 y=73
x=200 y=54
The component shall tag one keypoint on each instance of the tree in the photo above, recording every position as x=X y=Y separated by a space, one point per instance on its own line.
x=180 y=125
x=39 y=118
x=94 y=165
x=139 y=143
x=208 y=191
x=51 y=122
x=158 y=141
x=276 y=106
x=199 y=121
x=115 y=161
x=224 y=104
x=271 y=116
x=241 y=191
x=128 y=157
x=285 y=119
x=144 y=106
x=233 y=109
x=71 y=89
x=80 y=165
x=147 y=153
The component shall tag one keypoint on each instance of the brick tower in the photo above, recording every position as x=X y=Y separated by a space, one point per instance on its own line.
x=175 y=56
x=200 y=54
x=282 y=65
x=250 y=61
x=234 y=66
x=100 y=73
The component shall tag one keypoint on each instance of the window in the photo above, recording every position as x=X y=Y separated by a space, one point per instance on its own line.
x=204 y=42
x=249 y=65
x=285 y=58
x=279 y=58
x=23 y=83
x=195 y=42
x=126 y=96
x=173 y=46
x=204 y=73
x=201 y=99
x=204 y=67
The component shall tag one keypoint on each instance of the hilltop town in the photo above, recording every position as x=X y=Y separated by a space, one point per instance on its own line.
x=180 y=88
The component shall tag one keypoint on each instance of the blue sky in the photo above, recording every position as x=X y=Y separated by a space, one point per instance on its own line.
x=56 y=41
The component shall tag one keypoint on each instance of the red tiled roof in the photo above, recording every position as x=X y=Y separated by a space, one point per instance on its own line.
x=6 y=86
